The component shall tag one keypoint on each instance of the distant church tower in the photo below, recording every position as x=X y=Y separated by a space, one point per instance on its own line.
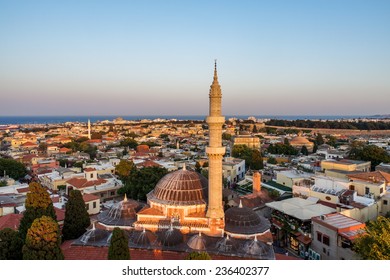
x=89 y=129
x=215 y=152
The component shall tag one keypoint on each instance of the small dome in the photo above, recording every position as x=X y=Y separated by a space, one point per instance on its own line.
x=182 y=187
x=171 y=237
x=226 y=245
x=256 y=248
x=122 y=213
x=243 y=220
x=300 y=140
x=197 y=242
x=143 y=237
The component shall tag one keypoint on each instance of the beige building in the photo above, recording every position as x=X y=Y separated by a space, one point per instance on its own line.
x=333 y=236
x=92 y=203
x=252 y=142
x=289 y=178
x=346 y=165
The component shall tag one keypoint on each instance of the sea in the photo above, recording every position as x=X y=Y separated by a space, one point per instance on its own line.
x=18 y=120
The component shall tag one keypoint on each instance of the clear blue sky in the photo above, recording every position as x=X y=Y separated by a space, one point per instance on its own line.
x=275 y=57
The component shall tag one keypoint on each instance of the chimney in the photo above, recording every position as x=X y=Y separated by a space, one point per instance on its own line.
x=256 y=182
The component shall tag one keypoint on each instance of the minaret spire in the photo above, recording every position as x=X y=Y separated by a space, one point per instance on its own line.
x=215 y=152
x=89 y=129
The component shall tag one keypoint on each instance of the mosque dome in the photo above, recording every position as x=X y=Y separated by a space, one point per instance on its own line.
x=171 y=237
x=197 y=242
x=243 y=220
x=181 y=187
x=255 y=247
x=300 y=140
x=143 y=237
x=122 y=213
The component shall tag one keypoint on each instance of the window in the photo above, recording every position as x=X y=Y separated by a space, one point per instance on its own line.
x=102 y=195
x=352 y=187
x=319 y=236
x=112 y=193
x=367 y=190
x=325 y=240
x=381 y=190
x=384 y=202
x=91 y=176
x=94 y=204
x=87 y=206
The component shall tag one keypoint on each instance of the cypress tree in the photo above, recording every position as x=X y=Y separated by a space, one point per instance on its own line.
x=38 y=204
x=76 y=216
x=10 y=245
x=119 y=248
x=43 y=240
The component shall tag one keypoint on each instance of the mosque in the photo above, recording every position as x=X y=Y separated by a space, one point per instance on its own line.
x=185 y=213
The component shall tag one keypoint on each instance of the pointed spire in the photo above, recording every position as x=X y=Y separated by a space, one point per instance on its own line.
x=256 y=238
x=200 y=234
x=184 y=166
x=227 y=236
x=240 y=206
x=93 y=225
x=215 y=69
x=143 y=229
x=125 y=199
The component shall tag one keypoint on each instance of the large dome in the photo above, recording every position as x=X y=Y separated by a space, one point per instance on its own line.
x=243 y=220
x=182 y=187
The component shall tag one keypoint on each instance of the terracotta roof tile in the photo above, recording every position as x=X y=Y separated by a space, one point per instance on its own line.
x=11 y=221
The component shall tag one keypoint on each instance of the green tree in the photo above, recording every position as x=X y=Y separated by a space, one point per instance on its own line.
x=10 y=245
x=319 y=139
x=43 y=240
x=331 y=140
x=198 y=256
x=129 y=142
x=119 y=248
x=286 y=141
x=76 y=216
x=371 y=153
x=272 y=160
x=12 y=168
x=38 y=204
x=198 y=168
x=226 y=136
x=124 y=168
x=142 y=181
x=374 y=244
x=256 y=162
x=304 y=150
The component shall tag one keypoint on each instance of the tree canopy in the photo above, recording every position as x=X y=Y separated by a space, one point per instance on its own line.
x=76 y=216
x=371 y=153
x=252 y=157
x=282 y=149
x=43 y=240
x=141 y=182
x=374 y=244
x=12 y=168
x=38 y=204
x=119 y=248
x=124 y=168
x=10 y=245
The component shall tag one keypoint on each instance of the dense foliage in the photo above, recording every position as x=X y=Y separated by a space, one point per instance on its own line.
x=43 y=240
x=198 y=256
x=252 y=157
x=129 y=142
x=38 y=204
x=124 y=168
x=76 y=216
x=12 y=168
x=374 y=244
x=119 y=248
x=282 y=149
x=141 y=181
x=361 y=125
x=371 y=153
x=10 y=245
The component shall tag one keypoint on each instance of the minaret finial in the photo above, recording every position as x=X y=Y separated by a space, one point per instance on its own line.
x=125 y=199
x=215 y=69
x=240 y=206
x=184 y=166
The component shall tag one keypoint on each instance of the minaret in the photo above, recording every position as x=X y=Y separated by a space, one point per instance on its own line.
x=215 y=152
x=89 y=129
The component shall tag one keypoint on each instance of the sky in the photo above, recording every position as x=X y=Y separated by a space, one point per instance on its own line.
x=145 y=57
